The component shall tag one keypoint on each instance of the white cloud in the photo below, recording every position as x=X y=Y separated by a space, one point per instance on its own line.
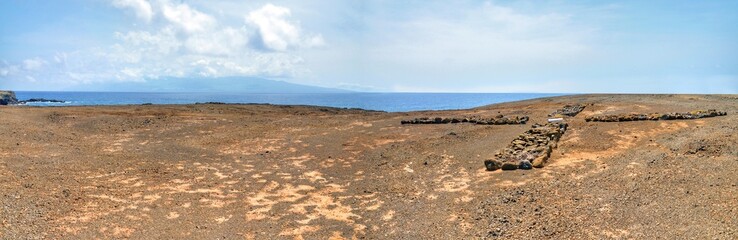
x=183 y=41
x=141 y=8
x=192 y=43
x=276 y=32
x=33 y=64
x=133 y=73
x=227 y=41
x=164 y=41
x=60 y=58
x=186 y=18
x=7 y=69
x=512 y=20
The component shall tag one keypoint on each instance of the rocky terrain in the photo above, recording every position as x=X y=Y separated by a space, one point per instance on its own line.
x=223 y=171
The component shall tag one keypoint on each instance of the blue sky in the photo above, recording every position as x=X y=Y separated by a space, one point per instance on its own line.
x=408 y=46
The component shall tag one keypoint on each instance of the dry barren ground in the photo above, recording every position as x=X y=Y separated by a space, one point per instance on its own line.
x=271 y=172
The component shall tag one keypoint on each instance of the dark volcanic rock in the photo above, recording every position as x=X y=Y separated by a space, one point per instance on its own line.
x=525 y=164
x=8 y=98
x=42 y=100
x=214 y=103
x=492 y=164
x=509 y=166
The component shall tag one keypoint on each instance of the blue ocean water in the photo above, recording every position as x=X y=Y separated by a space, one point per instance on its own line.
x=390 y=102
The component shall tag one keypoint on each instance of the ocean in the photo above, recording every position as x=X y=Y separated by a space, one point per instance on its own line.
x=390 y=102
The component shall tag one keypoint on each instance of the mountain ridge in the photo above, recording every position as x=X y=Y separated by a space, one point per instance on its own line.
x=220 y=84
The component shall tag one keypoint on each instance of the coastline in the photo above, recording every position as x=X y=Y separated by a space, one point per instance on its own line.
x=284 y=171
x=390 y=102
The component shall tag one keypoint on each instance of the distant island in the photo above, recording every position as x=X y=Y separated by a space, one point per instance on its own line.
x=220 y=84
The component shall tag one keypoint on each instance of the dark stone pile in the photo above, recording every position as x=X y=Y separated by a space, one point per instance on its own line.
x=498 y=120
x=655 y=116
x=530 y=149
x=568 y=110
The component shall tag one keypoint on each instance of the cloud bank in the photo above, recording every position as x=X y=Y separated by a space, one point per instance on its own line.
x=176 y=39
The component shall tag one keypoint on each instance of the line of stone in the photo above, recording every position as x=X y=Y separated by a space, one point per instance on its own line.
x=533 y=148
x=530 y=149
x=498 y=120
x=655 y=116
x=568 y=110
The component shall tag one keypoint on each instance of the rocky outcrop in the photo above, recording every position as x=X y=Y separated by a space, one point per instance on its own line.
x=655 y=116
x=530 y=149
x=497 y=120
x=7 y=98
x=42 y=100
x=568 y=110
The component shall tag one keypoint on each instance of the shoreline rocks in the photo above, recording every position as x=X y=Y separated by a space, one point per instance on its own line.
x=655 y=116
x=497 y=120
x=530 y=149
x=41 y=100
x=8 y=98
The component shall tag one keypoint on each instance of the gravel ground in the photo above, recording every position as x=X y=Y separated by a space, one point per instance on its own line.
x=284 y=172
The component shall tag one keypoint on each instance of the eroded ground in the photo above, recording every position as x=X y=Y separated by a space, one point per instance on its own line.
x=266 y=172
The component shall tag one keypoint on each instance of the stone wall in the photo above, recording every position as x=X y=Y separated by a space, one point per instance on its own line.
x=655 y=116
x=498 y=120
x=568 y=110
x=528 y=150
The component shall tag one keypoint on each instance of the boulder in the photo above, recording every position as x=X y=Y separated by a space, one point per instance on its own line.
x=508 y=165
x=525 y=164
x=492 y=164
x=539 y=161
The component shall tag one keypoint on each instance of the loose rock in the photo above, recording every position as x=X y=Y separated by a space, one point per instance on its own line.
x=492 y=164
x=525 y=164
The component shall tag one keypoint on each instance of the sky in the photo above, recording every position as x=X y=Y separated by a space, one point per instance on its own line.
x=379 y=46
